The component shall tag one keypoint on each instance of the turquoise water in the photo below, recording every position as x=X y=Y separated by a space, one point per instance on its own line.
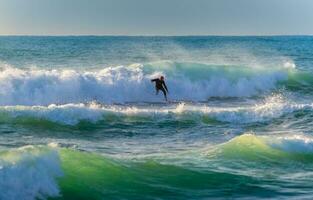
x=79 y=118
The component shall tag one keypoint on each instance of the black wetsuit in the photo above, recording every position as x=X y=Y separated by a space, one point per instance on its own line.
x=160 y=85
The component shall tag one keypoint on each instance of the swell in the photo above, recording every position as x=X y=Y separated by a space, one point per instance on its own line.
x=60 y=173
x=186 y=81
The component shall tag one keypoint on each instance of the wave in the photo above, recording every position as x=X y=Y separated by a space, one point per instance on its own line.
x=271 y=108
x=186 y=81
x=92 y=176
x=55 y=172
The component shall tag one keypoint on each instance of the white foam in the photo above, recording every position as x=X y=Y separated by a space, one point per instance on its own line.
x=297 y=143
x=28 y=174
x=289 y=65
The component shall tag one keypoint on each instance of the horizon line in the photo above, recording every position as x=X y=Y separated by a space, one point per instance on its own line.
x=151 y=35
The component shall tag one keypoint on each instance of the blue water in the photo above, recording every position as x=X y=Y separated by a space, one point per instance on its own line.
x=79 y=118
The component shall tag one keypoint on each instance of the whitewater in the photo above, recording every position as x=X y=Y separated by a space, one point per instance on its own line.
x=79 y=118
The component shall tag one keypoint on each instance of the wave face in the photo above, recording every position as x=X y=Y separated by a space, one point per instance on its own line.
x=186 y=81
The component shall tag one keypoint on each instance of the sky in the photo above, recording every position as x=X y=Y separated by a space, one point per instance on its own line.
x=156 y=17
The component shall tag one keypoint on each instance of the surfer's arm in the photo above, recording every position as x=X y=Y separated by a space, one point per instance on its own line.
x=153 y=80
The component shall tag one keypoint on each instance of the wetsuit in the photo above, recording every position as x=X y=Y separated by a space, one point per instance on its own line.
x=160 y=85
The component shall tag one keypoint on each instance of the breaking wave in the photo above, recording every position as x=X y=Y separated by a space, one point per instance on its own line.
x=186 y=81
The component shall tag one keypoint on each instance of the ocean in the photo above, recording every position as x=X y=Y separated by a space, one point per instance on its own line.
x=79 y=117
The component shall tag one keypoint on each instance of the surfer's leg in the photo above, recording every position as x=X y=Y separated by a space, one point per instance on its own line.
x=164 y=92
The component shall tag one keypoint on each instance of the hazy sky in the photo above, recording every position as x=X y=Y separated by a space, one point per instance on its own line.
x=156 y=17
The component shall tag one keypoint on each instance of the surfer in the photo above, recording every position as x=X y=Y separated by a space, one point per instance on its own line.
x=160 y=85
